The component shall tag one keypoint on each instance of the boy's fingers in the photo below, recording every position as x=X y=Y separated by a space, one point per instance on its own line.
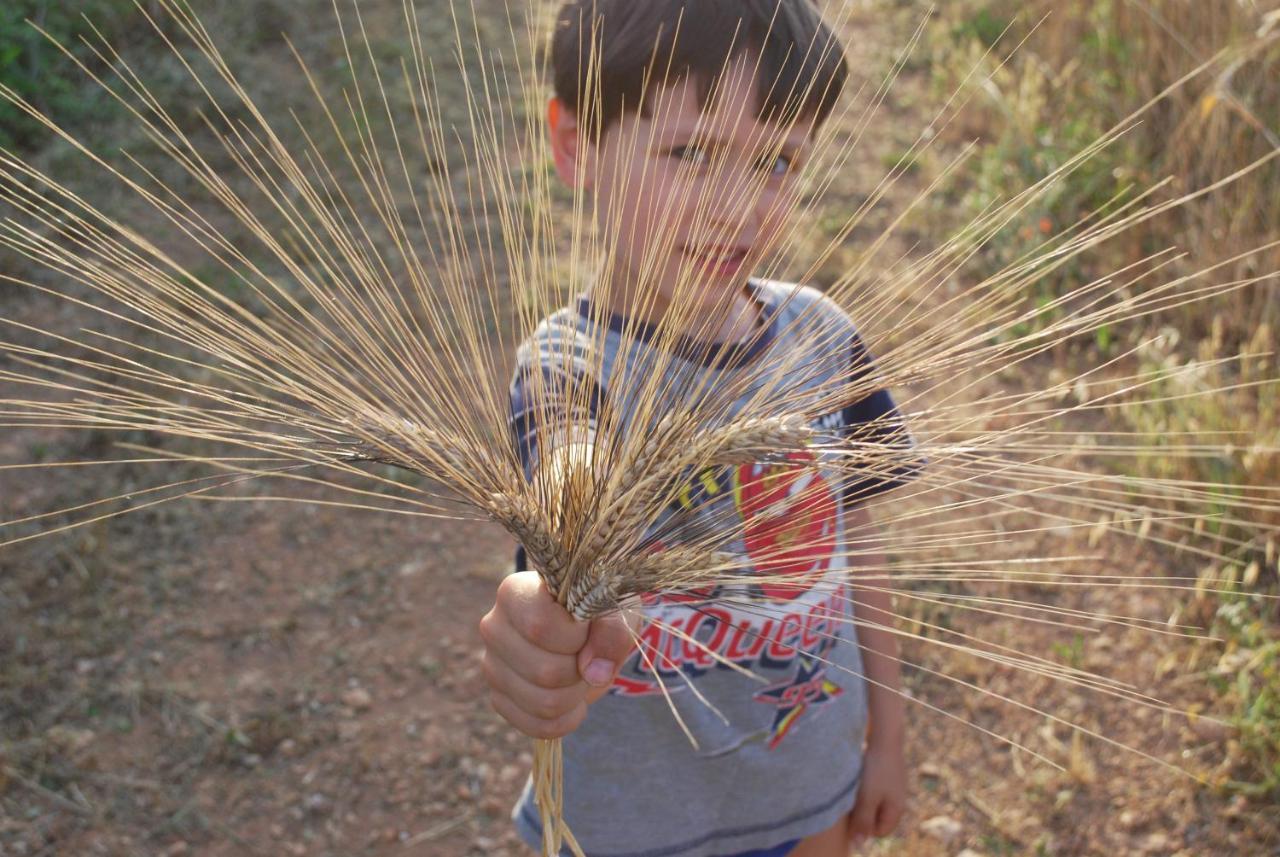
x=544 y=669
x=536 y=727
x=537 y=617
x=862 y=820
x=856 y=840
x=609 y=642
x=888 y=816
x=544 y=703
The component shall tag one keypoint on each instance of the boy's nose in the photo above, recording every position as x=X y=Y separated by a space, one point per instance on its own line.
x=729 y=223
x=737 y=198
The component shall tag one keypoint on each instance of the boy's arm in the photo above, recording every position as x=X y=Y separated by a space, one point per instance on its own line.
x=873 y=608
x=882 y=792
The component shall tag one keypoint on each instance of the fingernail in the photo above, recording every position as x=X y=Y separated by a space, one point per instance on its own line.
x=599 y=672
x=859 y=839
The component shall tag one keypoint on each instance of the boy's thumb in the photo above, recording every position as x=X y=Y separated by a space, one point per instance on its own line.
x=609 y=642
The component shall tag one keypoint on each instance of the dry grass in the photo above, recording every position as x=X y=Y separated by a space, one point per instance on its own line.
x=1079 y=70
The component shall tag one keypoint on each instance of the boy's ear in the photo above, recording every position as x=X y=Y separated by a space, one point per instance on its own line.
x=572 y=155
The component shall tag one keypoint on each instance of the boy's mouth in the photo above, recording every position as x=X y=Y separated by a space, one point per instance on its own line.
x=717 y=261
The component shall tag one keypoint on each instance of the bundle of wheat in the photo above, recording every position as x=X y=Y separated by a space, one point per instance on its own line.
x=371 y=326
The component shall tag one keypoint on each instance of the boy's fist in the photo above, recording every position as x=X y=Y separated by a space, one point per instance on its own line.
x=543 y=666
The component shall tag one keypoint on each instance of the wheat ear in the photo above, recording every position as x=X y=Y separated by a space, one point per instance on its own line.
x=602 y=588
x=524 y=520
x=659 y=462
x=752 y=439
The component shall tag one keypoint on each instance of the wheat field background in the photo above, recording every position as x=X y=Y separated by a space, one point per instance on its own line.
x=257 y=678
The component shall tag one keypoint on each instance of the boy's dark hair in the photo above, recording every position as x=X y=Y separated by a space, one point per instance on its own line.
x=639 y=44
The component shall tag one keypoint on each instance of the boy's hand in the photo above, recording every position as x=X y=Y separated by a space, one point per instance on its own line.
x=544 y=667
x=882 y=795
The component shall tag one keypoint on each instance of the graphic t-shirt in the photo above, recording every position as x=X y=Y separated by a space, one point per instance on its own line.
x=777 y=759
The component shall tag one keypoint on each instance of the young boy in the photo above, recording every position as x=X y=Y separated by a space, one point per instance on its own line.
x=686 y=136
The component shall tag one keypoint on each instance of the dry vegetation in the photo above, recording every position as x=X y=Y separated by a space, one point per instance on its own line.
x=1082 y=70
x=263 y=678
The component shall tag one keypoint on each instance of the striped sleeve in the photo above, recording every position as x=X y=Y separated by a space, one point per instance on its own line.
x=874 y=424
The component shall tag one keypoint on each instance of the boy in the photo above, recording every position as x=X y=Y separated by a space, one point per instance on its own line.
x=686 y=136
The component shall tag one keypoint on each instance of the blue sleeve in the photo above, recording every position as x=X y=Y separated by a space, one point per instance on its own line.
x=876 y=420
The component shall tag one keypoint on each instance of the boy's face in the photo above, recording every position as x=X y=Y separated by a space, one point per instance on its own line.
x=689 y=200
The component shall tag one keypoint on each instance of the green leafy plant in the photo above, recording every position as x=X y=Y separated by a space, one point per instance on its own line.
x=40 y=72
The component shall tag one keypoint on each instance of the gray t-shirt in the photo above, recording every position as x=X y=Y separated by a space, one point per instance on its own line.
x=787 y=761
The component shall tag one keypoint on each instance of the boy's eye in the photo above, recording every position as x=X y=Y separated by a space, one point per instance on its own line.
x=778 y=166
x=691 y=154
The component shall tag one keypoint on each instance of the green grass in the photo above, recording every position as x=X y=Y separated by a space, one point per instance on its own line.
x=1249 y=684
x=1072 y=653
x=38 y=71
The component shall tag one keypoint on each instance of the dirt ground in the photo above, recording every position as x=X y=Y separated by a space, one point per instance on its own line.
x=261 y=678
x=303 y=680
